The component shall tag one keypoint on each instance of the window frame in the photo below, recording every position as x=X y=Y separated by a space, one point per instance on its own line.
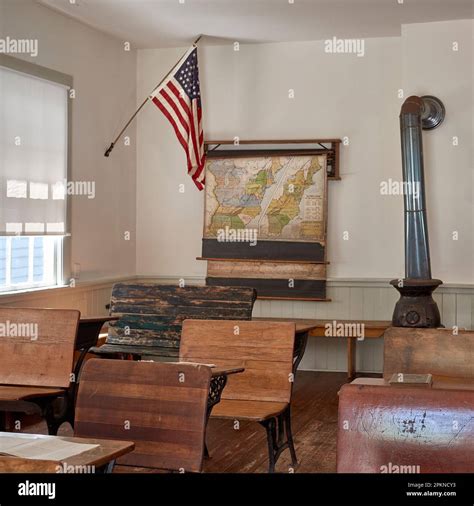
x=63 y=252
x=30 y=284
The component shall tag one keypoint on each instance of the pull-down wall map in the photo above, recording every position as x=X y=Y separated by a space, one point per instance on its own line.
x=265 y=224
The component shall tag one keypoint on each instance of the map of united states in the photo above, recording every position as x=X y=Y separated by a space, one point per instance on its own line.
x=281 y=197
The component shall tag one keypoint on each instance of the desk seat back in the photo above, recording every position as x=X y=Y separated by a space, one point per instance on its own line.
x=264 y=349
x=37 y=346
x=161 y=407
x=387 y=429
x=151 y=315
x=423 y=351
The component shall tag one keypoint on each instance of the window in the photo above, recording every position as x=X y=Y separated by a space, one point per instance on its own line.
x=29 y=262
x=34 y=137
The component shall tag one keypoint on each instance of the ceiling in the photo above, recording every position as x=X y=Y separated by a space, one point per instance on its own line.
x=170 y=23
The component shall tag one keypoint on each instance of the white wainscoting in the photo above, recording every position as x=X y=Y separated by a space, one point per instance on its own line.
x=357 y=299
x=90 y=298
x=367 y=300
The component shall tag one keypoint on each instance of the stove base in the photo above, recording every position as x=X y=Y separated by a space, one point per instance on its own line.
x=416 y=307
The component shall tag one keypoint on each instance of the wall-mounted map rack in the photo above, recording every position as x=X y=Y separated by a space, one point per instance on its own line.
x=237 y=147
x=266 y=215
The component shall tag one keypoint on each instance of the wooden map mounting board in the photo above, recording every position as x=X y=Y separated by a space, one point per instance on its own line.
x=280 y=196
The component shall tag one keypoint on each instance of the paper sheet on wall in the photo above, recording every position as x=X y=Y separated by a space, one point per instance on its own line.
x=42 y=448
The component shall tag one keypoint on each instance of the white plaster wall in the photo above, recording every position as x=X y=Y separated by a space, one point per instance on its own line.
x=105 y=84
x=246 y=94
x=430 y=66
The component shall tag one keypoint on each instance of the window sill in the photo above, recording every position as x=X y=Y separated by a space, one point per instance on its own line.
x=34 y=293
x=20 y=291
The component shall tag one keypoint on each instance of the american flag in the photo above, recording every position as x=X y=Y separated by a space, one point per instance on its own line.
x=179 y=99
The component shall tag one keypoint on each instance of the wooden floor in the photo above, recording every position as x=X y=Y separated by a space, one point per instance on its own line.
x=314 y=421
x=244 y=450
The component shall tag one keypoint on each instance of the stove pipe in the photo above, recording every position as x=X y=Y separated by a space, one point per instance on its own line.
x=416 y=307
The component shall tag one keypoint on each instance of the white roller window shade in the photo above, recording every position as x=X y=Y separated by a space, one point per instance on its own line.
x=33 y=155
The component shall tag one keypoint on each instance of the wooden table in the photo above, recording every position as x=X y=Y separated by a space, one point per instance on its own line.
x=29 y=400
x=373 y=329
x=21 y=398
x=99 y=459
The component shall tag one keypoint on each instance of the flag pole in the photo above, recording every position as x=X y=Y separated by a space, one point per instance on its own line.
x=112 y=144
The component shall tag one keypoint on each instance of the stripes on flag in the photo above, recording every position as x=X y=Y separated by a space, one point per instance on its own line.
x=179 y=99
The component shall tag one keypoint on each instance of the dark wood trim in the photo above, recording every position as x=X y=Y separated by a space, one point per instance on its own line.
x=275 y=141
x=245 y=153
x=207 y=259
x=315 y=289
x=264 y=250
x=312 y=299
x=337 y=157
x=332 y=152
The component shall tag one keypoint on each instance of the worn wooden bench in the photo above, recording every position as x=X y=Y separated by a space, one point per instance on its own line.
x=262 y=393
x=151 y=315
x=161 y=407
x=36 y=360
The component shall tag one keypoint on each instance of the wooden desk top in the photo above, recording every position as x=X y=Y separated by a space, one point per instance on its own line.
x=302 y=325
x=217 y=370
x=221 y=371
x=107 y=450
x=97 y=319
x=315 y=327
x=18 y=393
x=439 y=383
